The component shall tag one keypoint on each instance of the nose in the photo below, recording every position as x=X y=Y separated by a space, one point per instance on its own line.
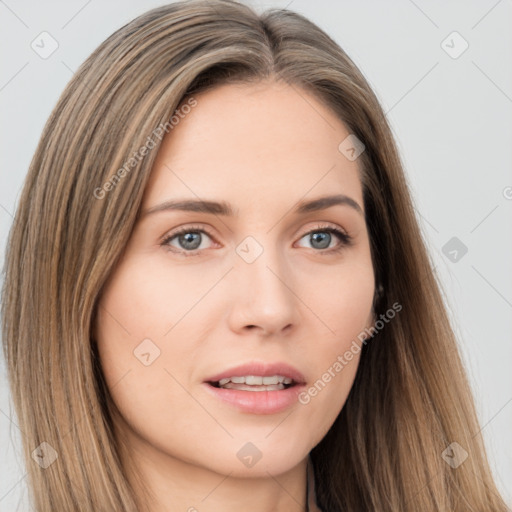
x=263 y=298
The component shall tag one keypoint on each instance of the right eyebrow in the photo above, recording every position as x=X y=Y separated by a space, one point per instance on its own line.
x=192 y=205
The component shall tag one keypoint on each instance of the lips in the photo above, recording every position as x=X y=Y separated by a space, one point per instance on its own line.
x=248 y=396
x=260 y=369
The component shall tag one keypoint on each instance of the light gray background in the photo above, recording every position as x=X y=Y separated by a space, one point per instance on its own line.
x=451 y=117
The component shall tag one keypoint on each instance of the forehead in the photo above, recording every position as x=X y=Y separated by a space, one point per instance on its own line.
x=254 y=143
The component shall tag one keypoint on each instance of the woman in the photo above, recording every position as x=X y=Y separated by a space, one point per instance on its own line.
x=216 y=290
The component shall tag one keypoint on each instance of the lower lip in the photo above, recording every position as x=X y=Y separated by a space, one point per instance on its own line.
x=258 y=402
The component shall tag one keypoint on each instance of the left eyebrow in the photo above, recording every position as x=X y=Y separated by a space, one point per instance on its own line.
x=223 y=208
x=325 y=202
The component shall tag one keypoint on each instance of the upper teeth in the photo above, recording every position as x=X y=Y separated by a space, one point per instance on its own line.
x=257 y=380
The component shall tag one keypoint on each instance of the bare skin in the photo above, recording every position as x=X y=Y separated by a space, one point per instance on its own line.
x=261 y=148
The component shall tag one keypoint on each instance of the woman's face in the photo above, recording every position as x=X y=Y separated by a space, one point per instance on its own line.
x=256 y=277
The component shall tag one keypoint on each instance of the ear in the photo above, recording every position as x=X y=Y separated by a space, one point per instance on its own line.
x=372 y=320
x=377 y=296
x=379 y=292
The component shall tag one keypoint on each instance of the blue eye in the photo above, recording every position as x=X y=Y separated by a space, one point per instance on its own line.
x=190 y=238
x=321 y=238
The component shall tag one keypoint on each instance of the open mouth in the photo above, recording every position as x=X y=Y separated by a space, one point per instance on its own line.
x=257 y=388
x=254 y=383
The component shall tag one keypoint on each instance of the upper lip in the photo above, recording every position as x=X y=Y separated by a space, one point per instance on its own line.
x=260 y=369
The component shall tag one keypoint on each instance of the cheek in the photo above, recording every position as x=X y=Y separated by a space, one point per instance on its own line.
x=335 y=360
x=134 y=313
x=150 y=330
x=325 y=397
x=342 y=301
x=148 y=299
x=146 y=370
x=341 y=298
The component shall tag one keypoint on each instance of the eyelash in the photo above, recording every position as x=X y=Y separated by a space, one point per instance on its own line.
x=345 y=239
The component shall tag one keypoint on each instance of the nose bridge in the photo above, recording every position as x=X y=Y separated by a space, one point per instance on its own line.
x=263 y=265
x=264 y=297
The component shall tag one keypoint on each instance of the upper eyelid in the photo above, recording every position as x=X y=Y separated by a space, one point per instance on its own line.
x=186 y=228
x=322 y=225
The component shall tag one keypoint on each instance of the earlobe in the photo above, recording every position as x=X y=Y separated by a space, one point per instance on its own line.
x=369 y=325
x=378 y=295
x=379 y=291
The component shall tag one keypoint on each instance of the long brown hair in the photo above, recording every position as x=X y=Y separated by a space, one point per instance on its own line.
x=410 y=400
